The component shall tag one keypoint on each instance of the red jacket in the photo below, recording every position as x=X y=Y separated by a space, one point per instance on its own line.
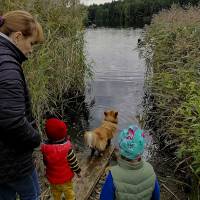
x=58 y=170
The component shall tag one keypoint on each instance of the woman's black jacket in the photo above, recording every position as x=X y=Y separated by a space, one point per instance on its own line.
x=18 y=136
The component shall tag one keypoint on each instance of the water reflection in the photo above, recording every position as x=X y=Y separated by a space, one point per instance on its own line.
x=118 y=73
x=118 y=78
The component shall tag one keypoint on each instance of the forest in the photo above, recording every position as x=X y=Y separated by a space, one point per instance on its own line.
x=129 y=13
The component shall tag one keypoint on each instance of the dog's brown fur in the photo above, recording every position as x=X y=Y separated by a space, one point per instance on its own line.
x=99 y=138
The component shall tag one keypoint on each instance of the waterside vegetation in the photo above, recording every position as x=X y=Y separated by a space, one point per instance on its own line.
x=129 y=13
x=172 y=103
x=57 y=69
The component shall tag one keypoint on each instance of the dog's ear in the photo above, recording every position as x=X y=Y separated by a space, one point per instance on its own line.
x=116 y=113
x=105 y=113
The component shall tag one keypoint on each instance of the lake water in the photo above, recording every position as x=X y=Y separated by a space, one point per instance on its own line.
x=118 y=80
x=118 y=73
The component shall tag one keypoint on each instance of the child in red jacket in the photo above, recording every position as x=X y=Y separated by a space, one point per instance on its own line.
x=59 y=159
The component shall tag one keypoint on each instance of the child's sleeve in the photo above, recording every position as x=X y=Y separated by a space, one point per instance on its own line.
x=156 y=192
x=72 y=160
x=108 y=189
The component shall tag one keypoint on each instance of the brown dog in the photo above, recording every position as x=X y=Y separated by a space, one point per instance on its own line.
x=100 y=138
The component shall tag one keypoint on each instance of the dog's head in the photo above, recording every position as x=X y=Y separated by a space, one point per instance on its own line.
x=111 y=116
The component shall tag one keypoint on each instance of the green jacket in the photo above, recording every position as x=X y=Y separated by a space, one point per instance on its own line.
x=133 y=181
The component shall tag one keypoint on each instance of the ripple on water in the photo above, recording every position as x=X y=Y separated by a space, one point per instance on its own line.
x=118 y=74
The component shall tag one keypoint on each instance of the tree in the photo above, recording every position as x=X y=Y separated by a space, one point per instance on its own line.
x=134 y=13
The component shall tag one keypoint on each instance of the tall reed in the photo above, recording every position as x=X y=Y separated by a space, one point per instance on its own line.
x=173 y=84
x=56 y=67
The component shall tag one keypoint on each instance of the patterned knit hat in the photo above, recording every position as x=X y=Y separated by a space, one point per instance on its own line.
x=131 y=142
x=55 y=129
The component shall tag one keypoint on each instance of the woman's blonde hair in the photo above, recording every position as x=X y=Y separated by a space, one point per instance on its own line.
x=23 y=21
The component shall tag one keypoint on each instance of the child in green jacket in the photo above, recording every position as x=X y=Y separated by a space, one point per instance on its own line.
x=133 y=178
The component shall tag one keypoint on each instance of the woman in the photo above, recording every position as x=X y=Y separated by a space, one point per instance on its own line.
x=19 y=31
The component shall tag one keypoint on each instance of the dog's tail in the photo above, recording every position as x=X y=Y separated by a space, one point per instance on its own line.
x=93 y=140
x=88 y=138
